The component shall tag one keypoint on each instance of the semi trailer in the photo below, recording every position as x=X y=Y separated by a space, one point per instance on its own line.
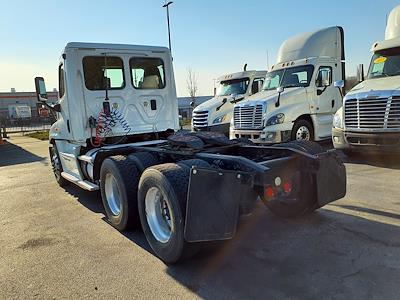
x=117 y=132
x=216 y=113
x=370 y=117
x=301 y=92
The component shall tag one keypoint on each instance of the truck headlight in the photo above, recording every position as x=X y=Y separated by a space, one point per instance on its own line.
x=219 y=119
x=277 y=119
x=337 y=119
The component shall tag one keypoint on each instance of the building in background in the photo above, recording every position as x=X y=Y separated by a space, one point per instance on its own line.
x=185 y=109
x=16 y=105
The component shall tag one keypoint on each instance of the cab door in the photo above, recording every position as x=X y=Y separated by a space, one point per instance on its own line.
x=327 y=98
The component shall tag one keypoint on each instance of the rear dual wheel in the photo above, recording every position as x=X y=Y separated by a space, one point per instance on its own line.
x=156 y=199
x=119 y=177
x=162 y=208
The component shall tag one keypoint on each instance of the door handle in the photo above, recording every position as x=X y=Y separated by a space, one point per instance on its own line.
x=333 y=103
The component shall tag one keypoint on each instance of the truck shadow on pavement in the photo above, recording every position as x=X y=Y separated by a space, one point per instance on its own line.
x=387 y=161
x=327 y=254
x=11 y=154
x=323 y=255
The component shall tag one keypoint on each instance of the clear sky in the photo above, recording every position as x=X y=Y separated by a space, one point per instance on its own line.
x=210 y=37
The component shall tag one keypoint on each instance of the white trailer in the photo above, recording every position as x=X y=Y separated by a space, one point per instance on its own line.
x=19 y=111
x=216 y=113
x=301 y=92
x=370 y=117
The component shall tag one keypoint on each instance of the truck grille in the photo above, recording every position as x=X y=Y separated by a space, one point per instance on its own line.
x=376 y=113
x=200 y=119
x=248 y=117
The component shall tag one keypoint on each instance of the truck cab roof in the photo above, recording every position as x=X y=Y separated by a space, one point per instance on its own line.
x=88 y=46
x=242 y=74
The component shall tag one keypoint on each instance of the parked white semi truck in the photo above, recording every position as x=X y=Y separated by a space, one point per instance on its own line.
x=117 y=117
x=216 y=113
x=370 y=117
x=301 y=92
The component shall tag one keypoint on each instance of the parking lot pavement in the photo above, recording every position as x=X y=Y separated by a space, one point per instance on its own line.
x=55 y=243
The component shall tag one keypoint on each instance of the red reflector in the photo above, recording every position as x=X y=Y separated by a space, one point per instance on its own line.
x=287 y=187
x=269 y=192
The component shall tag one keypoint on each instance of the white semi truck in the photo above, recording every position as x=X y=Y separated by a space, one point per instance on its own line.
x=301 y=92
x=370 y=117
x=117 y=118
x=216 y=113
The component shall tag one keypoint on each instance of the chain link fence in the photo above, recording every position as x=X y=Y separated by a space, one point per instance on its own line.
x=23 y=125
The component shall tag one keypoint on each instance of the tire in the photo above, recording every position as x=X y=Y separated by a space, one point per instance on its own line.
x=57 y=167
x=164 y=228
x=307 y=201
x=119 y=178
x=298 y=125
x=143 y=160
x=305 y=146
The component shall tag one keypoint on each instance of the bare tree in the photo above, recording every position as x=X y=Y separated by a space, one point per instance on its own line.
x=191 y=84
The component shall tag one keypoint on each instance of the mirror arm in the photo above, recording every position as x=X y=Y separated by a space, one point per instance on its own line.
x=320 y=92
x=236 y=100
x=54 y=107
x=278 y=101
x=341 y=92
x=223 y=102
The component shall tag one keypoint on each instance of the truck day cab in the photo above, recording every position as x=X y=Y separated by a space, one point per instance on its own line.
x=301 y=92
x=216 y=113
x=370 y=117
x=117 y=118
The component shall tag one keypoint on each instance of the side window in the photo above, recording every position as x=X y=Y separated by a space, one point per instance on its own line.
x=61 y=83
x=323 y=73
x=101 y=72
x=147 y=73
x=257 y=85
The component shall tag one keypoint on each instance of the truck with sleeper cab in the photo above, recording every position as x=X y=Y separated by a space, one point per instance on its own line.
x=301 y=92
x=369 y=120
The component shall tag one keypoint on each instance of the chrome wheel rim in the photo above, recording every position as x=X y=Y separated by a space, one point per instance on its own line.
x=159 y=215
x=112 y=194
x=55 y=162
x=303 y=133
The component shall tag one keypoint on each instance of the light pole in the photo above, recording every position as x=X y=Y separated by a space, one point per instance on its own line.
x=169 y=31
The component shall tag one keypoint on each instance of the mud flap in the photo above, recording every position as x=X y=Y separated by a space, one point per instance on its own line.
x=330 y=179
x=212 y=205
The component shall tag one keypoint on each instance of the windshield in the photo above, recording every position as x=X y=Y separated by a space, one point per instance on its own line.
x=289 y=77
x=385 y=63
x=236 y=86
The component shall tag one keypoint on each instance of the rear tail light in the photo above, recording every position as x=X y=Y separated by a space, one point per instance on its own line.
x=282 y=189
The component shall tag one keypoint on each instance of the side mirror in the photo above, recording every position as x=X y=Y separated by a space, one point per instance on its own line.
x=360 y=73
x=192 y=104
x=280 y=89
x=41 y=92
x=339 y=84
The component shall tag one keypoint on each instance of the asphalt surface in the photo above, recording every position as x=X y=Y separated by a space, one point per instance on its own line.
x=55 y=243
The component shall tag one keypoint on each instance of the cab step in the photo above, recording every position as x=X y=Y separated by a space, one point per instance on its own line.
x=89 y=186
